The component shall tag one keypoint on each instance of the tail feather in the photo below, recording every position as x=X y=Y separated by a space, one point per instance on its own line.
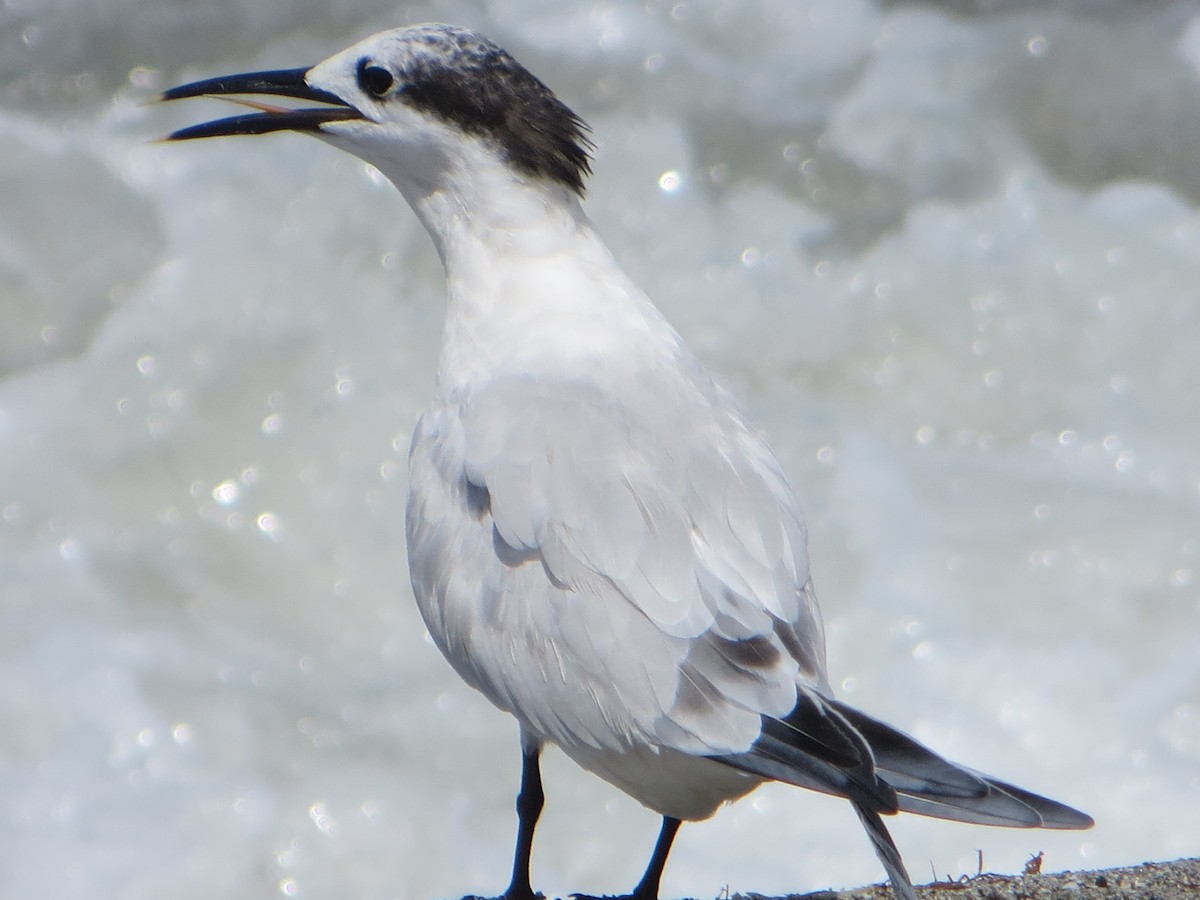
x=830 y=747
x=886 y=850
x=772 y=758
x=827 y=746
x=929 y=785
x=911 y=766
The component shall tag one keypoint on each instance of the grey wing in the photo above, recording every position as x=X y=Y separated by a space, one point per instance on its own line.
x=615 y=574
x=828 y=746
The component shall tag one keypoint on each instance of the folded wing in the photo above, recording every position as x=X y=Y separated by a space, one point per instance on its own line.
x=649 y=542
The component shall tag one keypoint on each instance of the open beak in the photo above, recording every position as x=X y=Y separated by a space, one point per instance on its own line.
x=280 y=83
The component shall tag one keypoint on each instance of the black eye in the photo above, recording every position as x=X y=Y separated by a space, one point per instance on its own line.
x=374 y=80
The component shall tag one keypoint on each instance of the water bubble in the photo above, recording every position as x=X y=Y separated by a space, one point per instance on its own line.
x=143 y=77
x=226 y=493
x=321 y=818
x=268 y=524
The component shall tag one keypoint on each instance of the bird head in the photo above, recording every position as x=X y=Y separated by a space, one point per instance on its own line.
x=418 y=103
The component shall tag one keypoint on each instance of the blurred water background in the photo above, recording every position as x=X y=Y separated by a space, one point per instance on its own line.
x=948 y=253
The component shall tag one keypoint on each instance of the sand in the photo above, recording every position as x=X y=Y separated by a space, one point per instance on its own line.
x=1149 y=881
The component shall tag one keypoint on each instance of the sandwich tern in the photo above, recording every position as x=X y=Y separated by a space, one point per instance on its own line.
x=598 y=539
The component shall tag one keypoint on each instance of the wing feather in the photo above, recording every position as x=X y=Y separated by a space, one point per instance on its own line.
x=629 y=577
x=828 y=746
x=624 y=575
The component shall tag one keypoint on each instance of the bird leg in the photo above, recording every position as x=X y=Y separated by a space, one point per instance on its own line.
x=530 y=800
x=647 y=888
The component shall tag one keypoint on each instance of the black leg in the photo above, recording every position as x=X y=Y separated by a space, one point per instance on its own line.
x=529 y=806
x=647 y=888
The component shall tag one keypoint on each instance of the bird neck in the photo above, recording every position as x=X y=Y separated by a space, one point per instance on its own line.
x=494 y=217
x=531 y=287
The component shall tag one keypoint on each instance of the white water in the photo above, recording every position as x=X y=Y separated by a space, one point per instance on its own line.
x=949 y=256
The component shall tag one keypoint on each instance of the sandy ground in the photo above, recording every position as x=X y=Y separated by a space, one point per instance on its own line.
x=1149 y=881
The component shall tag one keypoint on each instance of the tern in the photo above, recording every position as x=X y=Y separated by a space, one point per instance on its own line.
x=598 y=539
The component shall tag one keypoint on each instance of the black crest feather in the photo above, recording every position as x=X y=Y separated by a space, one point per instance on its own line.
x=466 y=79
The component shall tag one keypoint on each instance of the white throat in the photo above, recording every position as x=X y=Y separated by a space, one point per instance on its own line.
x=530 y=285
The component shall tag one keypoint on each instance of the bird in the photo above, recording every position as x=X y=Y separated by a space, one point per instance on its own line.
x=599 y=539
